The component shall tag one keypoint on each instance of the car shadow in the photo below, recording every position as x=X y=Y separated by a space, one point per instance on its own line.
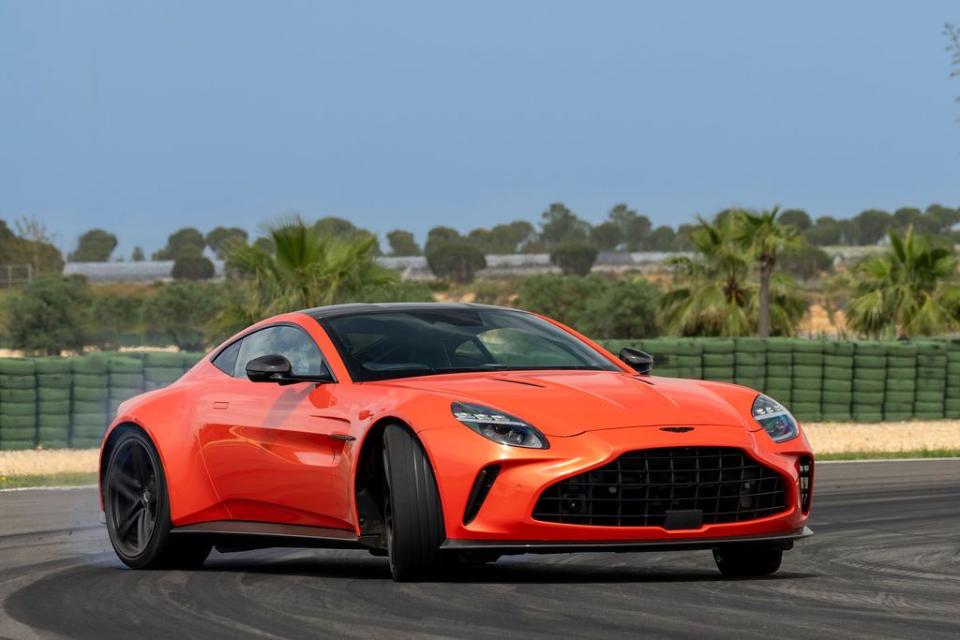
x=505 y=571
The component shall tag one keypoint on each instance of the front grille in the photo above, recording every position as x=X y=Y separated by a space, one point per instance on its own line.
x=639 y=488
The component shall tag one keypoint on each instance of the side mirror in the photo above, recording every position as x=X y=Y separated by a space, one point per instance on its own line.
x=272 y=368
x=640 y=361
x=277 y=369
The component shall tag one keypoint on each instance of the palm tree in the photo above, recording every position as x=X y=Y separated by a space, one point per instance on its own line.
x=765 y=239
x=714 y=296
x=306 y=268
x=910 y=290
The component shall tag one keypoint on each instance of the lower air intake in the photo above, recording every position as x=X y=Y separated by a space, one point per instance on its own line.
x=640 y=488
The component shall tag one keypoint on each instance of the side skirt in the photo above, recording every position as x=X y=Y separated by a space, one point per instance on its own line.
x=233 y=535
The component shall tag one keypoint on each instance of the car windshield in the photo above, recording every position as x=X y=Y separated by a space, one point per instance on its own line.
x=391 y=344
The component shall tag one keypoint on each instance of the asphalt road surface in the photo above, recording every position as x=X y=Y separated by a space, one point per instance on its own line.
x=885 y=563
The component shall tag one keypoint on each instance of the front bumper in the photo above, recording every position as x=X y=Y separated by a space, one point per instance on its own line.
x=505 y=519
x=544 y=546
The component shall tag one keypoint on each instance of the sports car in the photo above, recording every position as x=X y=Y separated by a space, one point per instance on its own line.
x=438 y=434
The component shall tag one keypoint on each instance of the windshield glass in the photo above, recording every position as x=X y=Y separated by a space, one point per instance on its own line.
x=393 y=344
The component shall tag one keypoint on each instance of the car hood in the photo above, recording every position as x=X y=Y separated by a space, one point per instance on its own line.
x=567 y=403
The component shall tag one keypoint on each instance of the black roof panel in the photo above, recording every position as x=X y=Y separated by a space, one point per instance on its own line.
x=361 y=308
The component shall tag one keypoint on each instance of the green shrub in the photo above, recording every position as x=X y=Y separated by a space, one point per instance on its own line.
x=455 y=260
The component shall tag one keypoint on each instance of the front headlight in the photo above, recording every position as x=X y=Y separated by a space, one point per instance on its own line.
x=775 y=419
x=499 y=426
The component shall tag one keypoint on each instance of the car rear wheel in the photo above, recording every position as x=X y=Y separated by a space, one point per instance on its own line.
x=137 y=509
x=748 y=560
x=413 y=516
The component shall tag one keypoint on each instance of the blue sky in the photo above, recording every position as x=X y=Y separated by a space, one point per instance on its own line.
x=141 y=117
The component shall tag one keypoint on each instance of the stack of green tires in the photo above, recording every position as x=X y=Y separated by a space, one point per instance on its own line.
x=750 y=362
x=952 y=402
x=807 y=392
x=779 y=382
x=126 y=380
x=161 y=368
x=89 y=392
x=869 y=381
x=838 y=364
x=901 y=381
x=931 y=380
x=54 y=377
x=719 y=359
x=18 y=403
x=680 y=357
x=190 y=358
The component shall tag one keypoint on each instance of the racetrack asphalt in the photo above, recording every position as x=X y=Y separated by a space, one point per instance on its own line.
x=884 y=563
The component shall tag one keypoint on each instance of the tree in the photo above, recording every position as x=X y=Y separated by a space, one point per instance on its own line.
x=50 y=315
x=911 y=290
x=560 y=225
x=178 y=311
x=712 y=293
x=455 y=260
x=94 y=245
x=440 y=235
x=806 y=262
x=137 y=255
x=183 y=240
x=31 y=245
x=192 y=267
x=264 y=244
x=345 y=230
x=114 y=312
x=402 y=243
x=220 y=239
x=574 y=258
x=797 y=218
x=825 y=232
x=906 y=216
x=871 y=225
x=634 y=228
x=607 y=236
x=597 y=306
x=503 y=238
x=660 y=239
x=766 y=239
x=306 y=269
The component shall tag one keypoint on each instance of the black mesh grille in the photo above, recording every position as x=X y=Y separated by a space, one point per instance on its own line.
x=640 y=487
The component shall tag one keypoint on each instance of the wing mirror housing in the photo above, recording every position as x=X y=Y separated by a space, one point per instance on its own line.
x=277 y=369
x=639 y=361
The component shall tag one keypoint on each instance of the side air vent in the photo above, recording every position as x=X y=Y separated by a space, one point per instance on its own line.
x=805 y=472
x=481 y=487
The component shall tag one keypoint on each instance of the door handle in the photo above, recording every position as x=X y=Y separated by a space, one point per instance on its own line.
x=221 y=405
x=342 y=437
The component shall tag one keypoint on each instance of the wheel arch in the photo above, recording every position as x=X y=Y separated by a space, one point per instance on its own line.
x=368 y=475
x=111 y=441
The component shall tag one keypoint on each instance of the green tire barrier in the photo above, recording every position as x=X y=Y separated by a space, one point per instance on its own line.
x=59 y=402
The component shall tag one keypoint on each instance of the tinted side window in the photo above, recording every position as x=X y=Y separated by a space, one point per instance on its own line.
x=294 y=344
x=226 y=360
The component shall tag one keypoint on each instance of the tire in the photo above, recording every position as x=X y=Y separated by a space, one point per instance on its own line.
x=748 y=560
x=413 y=515
x=137 y=509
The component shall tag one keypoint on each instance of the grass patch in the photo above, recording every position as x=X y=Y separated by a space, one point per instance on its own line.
x=67 y=479
x=880 y=455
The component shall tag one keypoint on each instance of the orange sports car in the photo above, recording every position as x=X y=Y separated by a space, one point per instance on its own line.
x=434 y=434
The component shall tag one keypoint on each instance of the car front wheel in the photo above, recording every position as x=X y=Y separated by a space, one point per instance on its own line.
x=413 y=515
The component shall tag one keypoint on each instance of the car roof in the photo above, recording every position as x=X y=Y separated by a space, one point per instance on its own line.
x=362 y=308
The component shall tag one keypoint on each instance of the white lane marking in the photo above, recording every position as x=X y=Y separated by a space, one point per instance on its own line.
x=884 y=460
x=66 y=488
